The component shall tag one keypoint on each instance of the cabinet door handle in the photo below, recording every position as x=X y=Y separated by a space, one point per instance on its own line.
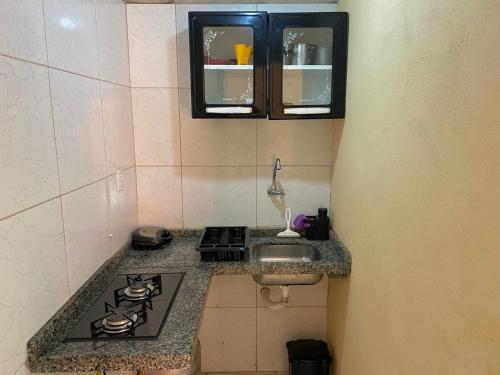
x=228 y=109
x=306 y=110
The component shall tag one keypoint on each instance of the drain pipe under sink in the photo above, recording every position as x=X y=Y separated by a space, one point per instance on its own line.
x=275 y=305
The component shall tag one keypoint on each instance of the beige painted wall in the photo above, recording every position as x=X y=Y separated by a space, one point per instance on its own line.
x=416 y=190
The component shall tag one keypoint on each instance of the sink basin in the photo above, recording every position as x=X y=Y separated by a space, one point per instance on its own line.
x=287 y=253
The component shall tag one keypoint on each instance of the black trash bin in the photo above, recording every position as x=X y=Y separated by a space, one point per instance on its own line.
x=308 y=357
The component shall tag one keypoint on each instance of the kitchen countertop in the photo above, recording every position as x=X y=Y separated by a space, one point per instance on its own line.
x=174 y=346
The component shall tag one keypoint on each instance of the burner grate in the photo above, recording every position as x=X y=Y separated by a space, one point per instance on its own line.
x=121 y=320
x=138 y=288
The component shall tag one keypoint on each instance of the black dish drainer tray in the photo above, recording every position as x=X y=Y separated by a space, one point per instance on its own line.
x=223 y=244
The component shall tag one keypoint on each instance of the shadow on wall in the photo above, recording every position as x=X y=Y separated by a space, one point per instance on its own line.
x=338 y=289
x=338 y=296
x=338 y=128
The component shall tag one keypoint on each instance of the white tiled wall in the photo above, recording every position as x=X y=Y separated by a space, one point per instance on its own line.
x=160 y=196
x=70 y=26
x=239 y=333
x=32 y=260
x=223 y=163
x=223 y=195
x=151 y=34
x=78 y=127
x=156 y=126
x=65 y=128
x=86 y=228
x=112 y=42
x=28 y=165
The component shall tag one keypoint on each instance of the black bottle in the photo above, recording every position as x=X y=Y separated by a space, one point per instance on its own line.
x=320 y=226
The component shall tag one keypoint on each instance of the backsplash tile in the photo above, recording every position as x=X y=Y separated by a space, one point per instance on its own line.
x=71 y=36
x=118 y=127
x=156 y=126
x=296 y=142
x=86 y=228
x=306 y=189
x=159 y=191
x=122 y=197
x=32 y=256
x=218 y=196
x=79 y=133
x=112 y=41
x=215 y=142
x=25 y=37
x=152 y=45
x=28 y=165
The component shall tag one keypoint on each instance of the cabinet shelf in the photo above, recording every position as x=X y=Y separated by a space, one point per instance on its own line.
x=228 y=67
x=307 y=67
x=285 y=67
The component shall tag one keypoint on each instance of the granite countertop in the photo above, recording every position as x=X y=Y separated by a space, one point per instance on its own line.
x=174 y=347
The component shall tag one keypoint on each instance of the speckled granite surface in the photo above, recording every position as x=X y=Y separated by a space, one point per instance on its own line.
x=173 y=348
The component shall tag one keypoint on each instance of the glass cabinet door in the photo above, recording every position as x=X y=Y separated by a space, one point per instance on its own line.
x=228 y=64
x=308 y=65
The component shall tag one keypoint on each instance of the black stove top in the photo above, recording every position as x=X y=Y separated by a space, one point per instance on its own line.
x=131 y=307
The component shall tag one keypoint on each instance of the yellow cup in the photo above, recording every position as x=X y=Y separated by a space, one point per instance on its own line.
x=242 y=52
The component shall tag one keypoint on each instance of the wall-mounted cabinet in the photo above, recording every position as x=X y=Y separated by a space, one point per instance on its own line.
x=278 y=65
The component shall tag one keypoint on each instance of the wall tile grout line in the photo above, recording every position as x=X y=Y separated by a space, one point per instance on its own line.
x=61 y=70
x=132 y=112
x=61 y=195
x=56 y=151
x=179 y=115
x=108 y=187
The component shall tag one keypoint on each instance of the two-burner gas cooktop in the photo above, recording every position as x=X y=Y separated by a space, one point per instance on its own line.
x=131 y=307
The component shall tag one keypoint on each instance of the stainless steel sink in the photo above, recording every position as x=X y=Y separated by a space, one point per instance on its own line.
x=287 y=253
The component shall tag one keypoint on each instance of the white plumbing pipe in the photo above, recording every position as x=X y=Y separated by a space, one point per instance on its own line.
x=275 y=305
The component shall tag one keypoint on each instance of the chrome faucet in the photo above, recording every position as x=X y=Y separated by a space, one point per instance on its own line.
x=273 y=189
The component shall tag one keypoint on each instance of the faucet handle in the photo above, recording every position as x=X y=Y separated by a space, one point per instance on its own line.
x=277 y=164
x=273 y=190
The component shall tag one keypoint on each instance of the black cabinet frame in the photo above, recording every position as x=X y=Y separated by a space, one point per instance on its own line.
x=268 y=61
x=338 y=21
x=259 y=22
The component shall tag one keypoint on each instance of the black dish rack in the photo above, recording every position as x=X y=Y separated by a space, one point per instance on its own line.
x=223 y=244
